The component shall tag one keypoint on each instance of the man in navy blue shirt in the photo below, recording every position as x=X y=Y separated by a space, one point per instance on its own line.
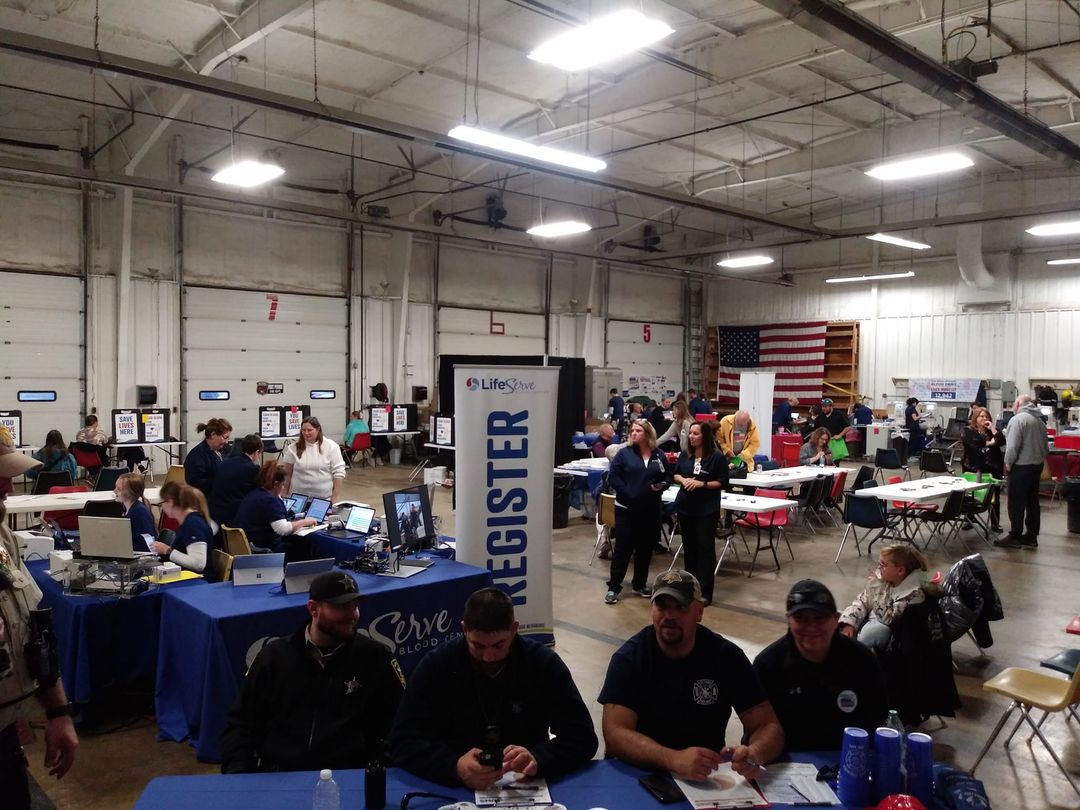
x=698 y=403
x=616 y=406
x=235 y=478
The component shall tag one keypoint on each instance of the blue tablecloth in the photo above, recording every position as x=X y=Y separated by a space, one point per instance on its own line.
x=103 y=641
x=210 y=635
x=603 y=783
x=323 y=545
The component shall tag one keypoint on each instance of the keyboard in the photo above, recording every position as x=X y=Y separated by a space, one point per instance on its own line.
x=318 y=527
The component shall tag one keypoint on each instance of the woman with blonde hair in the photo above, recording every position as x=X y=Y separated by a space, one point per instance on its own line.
x=313 y=465
x=191 y=545
x=679 y=428
x=129 y=493
x=897 y=583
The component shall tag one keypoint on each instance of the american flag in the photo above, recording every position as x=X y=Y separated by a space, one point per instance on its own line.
x=795 y=351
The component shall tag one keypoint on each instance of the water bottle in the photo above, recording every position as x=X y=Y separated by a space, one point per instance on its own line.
x=893 y=721
x=326 y=795
x=375 y=785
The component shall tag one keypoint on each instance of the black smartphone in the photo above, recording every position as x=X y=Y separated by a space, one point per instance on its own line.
x=662 y=788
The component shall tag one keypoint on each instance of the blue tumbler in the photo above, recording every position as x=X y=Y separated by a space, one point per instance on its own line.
x=886 y=769
x=920 y=767
x=853 y=780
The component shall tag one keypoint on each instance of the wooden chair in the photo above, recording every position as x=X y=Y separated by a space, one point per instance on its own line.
x=236 y=542
x=223 y=564
x=605 y=522
x=175 y=473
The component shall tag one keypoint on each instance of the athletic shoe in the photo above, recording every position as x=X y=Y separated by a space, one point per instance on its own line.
x=645 y=592
x=611 y=598
x=1008 y=541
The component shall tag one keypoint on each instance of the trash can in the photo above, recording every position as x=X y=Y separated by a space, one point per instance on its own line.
x=560 y=501
x=1070 y=491
x=395 y=455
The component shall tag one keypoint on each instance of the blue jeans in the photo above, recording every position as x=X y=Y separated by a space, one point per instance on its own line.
x=875 y=635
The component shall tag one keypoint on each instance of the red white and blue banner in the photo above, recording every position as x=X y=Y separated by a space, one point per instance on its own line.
x=795 y=352
x=505 y=422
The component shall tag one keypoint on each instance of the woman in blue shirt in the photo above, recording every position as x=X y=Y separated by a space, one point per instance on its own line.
x=129 y=492
x=54 y=457
x=191 y=546
x=702 y=472
x=263 y=518
x=202 y=461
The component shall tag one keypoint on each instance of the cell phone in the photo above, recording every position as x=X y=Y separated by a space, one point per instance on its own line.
x=662 y=788
x=492 y=757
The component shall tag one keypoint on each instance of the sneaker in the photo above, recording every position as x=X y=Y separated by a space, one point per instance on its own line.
x=1008 y=541
x=611 y=598
x=1027 y=541
x=645 y=592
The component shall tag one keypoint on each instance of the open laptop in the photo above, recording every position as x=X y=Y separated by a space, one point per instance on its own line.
x=316 y=510
x=258 y=569
x=299 y=575
x=297 y=502
x=103 y=538
x=357 y=525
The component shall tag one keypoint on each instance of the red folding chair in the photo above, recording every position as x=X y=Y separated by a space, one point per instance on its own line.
x=67 y=519
x=835 y=495
x=1056 y=463
x=1072 y=465
x=776 y=519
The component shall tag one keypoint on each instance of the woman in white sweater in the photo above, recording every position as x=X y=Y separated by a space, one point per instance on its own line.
x=313 y=465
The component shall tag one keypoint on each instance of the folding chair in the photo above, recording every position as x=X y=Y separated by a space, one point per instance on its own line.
x=776 y=519
x=45 y=481
x=889 y=459
x=176 y=473
x=865 y=473
x=110 y=509
x=836 y=495
x=67 y=519
x=1056 y=464
x=236 y=542
x=361 y=444
x=951 y=516
x=605 y=522
x=864 y=513
x=223 y=565
x=811 y=500
x=932 y=461
x=87 y=456
x=107 y=478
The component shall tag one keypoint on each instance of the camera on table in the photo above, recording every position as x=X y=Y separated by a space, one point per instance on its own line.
x=491 y=753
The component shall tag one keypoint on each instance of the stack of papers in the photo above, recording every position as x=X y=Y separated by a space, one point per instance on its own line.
x=721 y=789
x=795 y=783
x=515 y=793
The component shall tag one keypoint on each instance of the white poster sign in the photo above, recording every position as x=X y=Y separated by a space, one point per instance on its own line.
x=380 y=420
x=153 y=427
x=442 y=431
x=401 y=419
x=505 y=415
x=13 y=422
x=756 y=398
x=294 y=418
x=269 y=424
x=125 y=427
x=944 y=389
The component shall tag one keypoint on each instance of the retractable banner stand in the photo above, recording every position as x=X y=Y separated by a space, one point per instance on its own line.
x=504 y=418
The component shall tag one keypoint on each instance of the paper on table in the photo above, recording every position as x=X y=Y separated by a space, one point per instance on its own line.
x=723 y=788
x=795 y=783
x=515 y=792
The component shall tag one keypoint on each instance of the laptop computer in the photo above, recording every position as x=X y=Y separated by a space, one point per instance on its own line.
x=357 y=525
x=299 y=502
x=258 y=569
x=102 y=538
x=316 y=510
x=299 y=575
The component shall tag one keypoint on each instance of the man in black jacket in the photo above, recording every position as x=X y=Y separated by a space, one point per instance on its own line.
x=322 y=698
x=482 y=705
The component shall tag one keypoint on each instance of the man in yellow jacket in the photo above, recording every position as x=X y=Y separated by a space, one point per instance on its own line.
x=738 y=436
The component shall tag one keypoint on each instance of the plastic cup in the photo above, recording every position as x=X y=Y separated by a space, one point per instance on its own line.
x=886 y=770
x=853 y=780
x=920 y=767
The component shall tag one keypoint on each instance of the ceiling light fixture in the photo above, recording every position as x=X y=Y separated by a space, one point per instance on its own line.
x=1055 y=228
x=879 y=277
x=745 y=261
x=896 y=240
x=601 y=40
x=921 y=166
x=1063 y=261
x=566 y=227
x=248 y=173
x=546 y=154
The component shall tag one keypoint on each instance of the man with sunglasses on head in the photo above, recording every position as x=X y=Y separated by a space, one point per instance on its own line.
x=818 y=680
x=490 y=703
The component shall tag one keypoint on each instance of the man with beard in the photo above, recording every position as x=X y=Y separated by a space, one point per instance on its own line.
x=321 y=698
x=670 y=690
x=491 y=702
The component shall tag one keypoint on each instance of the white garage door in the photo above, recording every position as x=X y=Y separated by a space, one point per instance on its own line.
x=485 y=331
x=234 y=340
x=41 y=353
x=649 y=354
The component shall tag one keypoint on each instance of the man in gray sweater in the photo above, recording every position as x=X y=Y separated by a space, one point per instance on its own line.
x=1025 y=452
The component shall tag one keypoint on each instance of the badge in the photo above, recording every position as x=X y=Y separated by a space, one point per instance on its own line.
x=706 y=692
x=847 y=701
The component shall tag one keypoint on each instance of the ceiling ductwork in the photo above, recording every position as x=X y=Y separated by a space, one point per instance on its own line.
x=845 y=29
x=969 y=257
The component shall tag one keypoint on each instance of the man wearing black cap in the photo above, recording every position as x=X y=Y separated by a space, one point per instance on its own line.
x=818 y=680
x=670 y=690
x=831 y=419
x=322 y=698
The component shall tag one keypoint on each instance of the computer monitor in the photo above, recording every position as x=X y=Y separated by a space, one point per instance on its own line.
x=955 y=429
x=317 y=509
x=408 y=520
x=963 y=413
x=360 y=518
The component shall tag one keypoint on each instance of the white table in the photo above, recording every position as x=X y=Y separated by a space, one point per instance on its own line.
x=923 y=490
x=29 y=449
x=786 y=477
x=583 y=466
x=26 y=504
x=433 y=446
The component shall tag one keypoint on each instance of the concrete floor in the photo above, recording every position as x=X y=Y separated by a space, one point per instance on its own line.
x=1038 y=589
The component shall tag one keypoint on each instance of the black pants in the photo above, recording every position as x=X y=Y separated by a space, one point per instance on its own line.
x=1024 y=499
x=638 y=530
x=699 y=546
x=14 y=785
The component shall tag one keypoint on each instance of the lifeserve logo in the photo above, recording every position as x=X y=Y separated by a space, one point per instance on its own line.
x=500 y=385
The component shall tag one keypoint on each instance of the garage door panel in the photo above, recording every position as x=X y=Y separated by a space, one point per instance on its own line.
x=45 y=327
x=235 y=305
x=650 y=355
x=240 y=335
x=481 y=331
x=260 y=364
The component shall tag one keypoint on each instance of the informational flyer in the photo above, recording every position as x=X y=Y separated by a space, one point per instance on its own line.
x=443 y=430
x=269 y=423
x=401 y=419
x=153 y=427
x=294 y=417
x=380 y=420
x=12 y=420
x=126 y=427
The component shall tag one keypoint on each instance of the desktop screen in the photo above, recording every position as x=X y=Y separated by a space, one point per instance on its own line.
x=408 y=519
x=963 y=414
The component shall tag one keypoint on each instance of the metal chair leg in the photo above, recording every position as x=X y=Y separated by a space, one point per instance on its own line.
x=1053 y=753
x=993 y=736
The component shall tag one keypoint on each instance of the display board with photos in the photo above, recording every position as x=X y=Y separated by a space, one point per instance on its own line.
x=12 y=420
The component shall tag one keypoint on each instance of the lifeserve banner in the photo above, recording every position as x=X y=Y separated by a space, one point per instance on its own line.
x=504 y=418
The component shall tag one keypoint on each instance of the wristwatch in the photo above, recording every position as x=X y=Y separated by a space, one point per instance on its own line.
x=65 y=710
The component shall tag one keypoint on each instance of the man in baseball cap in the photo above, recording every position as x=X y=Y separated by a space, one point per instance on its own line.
x=671 y=688
x=818 y=680
x=323 y=697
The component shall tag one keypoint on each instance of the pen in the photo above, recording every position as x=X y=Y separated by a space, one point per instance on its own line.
x=725 y=756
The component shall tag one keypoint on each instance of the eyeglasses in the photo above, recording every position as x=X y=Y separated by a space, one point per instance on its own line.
x=420 y=794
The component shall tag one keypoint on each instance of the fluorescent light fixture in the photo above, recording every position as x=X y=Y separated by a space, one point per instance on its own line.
x=566 y=227
x=1056 y=228
x=503 y=143
x=248 y=173
x=879 y=277
x=896 y=240
x=746 y=261
x=1064 y=261
x=602 y=40
x=922 y=166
